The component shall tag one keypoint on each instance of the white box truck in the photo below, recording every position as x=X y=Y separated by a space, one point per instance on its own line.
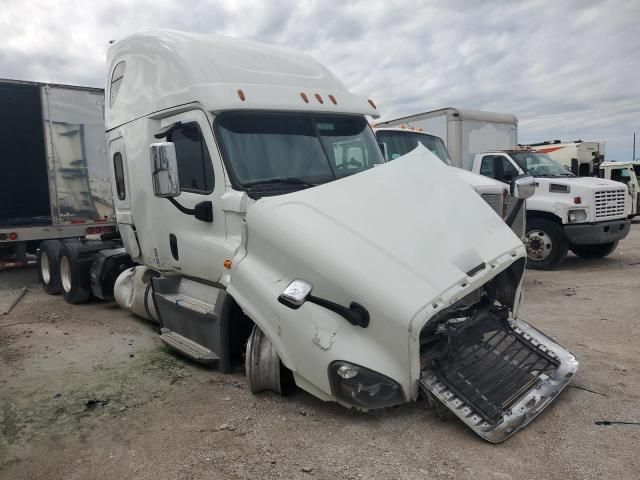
x=255 y=236
x=627 y=173
x=587 y=215
x=55 y=180
x=465 y=132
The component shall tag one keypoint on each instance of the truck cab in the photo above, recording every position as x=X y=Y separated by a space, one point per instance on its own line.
x=584 y=214
x=246 y=197
x=398 y=141
x=627 y=173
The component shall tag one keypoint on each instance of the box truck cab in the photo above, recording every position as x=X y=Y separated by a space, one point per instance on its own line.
x=627 y=173
x=399 y=141
x=244 y=190
x=584 y=214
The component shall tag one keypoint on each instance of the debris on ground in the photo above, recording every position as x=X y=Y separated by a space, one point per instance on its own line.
x=570 y=292
x=15 y=301
x=93 y=403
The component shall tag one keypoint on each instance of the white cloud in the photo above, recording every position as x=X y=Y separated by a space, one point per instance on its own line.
x=567 y=69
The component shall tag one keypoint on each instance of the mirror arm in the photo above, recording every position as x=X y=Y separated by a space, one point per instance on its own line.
x=514 y=212
x=182 y=208
x=356 y=314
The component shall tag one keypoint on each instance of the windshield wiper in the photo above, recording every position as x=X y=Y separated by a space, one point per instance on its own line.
x=284 y=180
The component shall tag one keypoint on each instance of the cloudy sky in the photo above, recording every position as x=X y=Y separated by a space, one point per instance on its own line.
x=567 y=69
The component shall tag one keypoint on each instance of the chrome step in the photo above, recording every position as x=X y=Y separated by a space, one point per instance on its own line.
x=186 y=301
x=188 y=347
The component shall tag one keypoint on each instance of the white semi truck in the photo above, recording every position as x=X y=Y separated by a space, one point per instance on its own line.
x=582 y=158
x=396 y=142
x=465 y=132
x=55 y=180
x=255 y=236
x=587 y=215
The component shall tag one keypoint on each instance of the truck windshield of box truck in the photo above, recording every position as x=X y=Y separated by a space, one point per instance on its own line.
x=268 y=151
x=402 y=142
x=540 y=165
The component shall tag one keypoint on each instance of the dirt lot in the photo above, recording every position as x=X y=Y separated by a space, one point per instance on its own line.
x=89 y=392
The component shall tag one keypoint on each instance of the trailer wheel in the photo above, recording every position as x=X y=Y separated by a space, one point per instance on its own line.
x=546 y=244
x=594 y=251
x=48 y=271
x=74 y=280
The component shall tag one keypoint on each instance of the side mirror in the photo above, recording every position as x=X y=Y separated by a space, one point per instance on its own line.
x=295 y=294
x=164 y=170
x=523 y=187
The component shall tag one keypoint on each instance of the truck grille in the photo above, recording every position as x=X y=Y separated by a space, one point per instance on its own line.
x=490 y=370
x=496 y=201
x=610 y=203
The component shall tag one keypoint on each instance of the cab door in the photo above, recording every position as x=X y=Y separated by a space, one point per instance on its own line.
x=195 y=247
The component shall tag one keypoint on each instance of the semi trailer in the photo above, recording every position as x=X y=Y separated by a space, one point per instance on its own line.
x=55 y=180
x=249 y=236
x=582 y=158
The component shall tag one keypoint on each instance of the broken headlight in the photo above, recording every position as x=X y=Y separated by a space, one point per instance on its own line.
x=362 y=387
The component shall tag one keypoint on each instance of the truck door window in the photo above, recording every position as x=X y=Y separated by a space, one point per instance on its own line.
x=509 y=172
x=194 y=163
x=402 y=142
x=487 y=166
x=119 y=174
x=620 y=175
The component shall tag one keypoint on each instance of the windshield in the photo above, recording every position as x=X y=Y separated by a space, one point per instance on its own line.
x=295 y=150
x=540 y=165
x=400 y=143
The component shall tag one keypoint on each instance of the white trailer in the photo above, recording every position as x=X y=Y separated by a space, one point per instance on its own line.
x=246 y=194
x=582 y=158
x=55 y=181
x=465 y=132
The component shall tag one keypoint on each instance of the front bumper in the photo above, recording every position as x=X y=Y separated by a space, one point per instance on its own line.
x=470 y=393
x=597 y=233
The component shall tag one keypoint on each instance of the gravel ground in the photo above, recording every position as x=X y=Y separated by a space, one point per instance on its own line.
x=88 y=391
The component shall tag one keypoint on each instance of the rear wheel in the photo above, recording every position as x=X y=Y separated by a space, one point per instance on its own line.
x=48 y=271
x=546 y=244
x=74 y=278
x=594 y=251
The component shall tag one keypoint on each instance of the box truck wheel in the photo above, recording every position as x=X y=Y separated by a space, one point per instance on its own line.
x=48 y=271
x=594 y=251
x=546 y=244
x=74 y=274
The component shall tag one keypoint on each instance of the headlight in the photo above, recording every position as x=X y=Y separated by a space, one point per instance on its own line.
x=362 y=387
x=577 y=216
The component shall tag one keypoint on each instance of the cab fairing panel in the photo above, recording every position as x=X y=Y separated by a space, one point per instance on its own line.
x=168 y=68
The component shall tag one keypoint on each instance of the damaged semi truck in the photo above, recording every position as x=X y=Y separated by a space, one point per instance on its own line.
x=254 y=238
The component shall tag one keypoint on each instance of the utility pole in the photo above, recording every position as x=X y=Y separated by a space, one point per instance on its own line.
x=634 y=147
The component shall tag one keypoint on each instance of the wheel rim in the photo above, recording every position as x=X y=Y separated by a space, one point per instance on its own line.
x=45 y=268
x=65 y=273
x=539 y=245
x=262 y=363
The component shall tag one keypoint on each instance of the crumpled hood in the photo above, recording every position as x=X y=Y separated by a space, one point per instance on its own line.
x=394 y=237
x=480 y=183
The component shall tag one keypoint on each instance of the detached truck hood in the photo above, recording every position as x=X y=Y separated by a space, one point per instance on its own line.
x=395 y=237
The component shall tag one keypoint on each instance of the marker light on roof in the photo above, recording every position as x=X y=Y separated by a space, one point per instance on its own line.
x=304 y=97
x=372 y=104
x=319 y=98
x=241 y=95
x=333 y=99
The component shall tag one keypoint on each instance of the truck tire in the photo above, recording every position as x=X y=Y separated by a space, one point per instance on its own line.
x=48 y=268
x=74 y=274
x=594 y=251
x=546 y=244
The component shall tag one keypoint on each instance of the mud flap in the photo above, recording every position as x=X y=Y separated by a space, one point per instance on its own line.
x=498 y=376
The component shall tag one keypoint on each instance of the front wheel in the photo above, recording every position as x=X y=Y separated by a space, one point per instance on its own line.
x=594 y=251
x=546 y=244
